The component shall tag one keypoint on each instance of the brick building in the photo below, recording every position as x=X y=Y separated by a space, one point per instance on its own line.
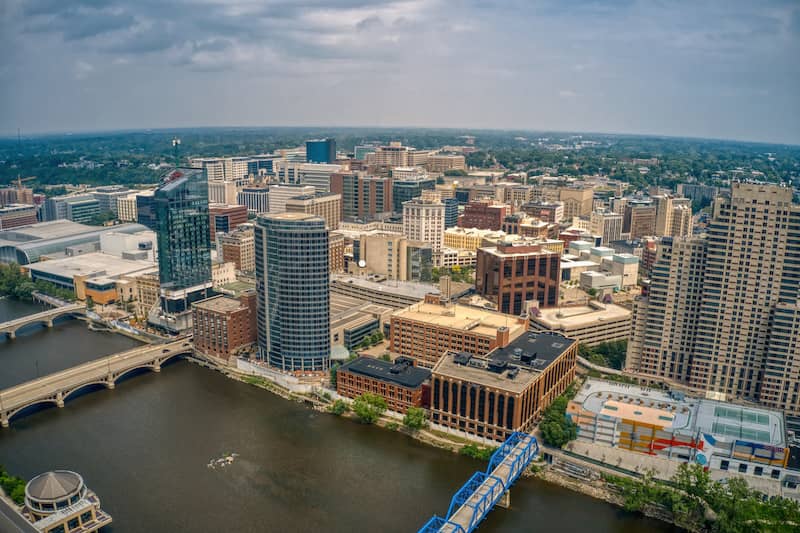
x=484 y=215
x=223 y=325
x=425 y=331
x=400 y=383
x=225 y=218
x=511 y=275
x=506 y=391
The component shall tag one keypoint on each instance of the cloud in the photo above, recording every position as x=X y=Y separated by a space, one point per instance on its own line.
x=681 y=67
x=82 y=70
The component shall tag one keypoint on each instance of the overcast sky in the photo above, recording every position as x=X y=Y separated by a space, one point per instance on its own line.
x=718 y=68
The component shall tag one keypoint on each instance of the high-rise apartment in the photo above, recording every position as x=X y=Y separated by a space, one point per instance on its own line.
x=673 y=216
x=743 y=325
x=255 y=198
x=292 y=277
x=363 y=196
x=423 y=220
x=184 y=246
x=279 y=194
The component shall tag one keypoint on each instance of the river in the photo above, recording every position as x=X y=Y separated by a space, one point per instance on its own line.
x=39 y=350
x=144 y=448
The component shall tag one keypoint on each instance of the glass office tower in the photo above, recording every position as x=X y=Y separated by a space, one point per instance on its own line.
x=321 y=151
x=292 y=281
x=180 y=205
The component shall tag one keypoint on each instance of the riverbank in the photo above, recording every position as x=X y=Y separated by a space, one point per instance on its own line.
x=596 y=488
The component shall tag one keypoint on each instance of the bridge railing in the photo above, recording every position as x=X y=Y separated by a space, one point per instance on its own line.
x=484 y=489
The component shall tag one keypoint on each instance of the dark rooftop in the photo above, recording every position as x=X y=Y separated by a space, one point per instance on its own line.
x=400 y=372
x=534 y=350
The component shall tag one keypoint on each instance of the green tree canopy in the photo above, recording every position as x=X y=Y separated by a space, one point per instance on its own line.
x=369 y=407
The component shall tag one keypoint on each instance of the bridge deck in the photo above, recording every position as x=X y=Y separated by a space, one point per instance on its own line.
x=43 y=315
x=480 y=494
x=106 y=370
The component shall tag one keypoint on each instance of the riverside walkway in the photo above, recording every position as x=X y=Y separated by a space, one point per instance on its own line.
x=58 y=387
x=473 y=501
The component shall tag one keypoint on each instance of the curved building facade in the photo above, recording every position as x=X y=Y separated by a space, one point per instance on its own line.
x=60 y=502
x=292 y=279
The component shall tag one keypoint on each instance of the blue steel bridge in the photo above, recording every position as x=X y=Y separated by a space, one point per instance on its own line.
x=473 y=501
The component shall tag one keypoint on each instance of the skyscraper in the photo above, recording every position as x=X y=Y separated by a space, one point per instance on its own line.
x=321 y=150
x=292 y=278
x=741 y=337
x=184 y=259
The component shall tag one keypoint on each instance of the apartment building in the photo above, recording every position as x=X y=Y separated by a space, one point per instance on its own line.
x=729 y=303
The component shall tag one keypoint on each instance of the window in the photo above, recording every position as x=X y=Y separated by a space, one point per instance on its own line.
x=759 y=470
x=776 y=474
x=723 y=465
x=742 y=468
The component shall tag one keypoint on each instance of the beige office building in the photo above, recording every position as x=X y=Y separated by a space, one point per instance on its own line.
x=577 y=201
x=325 y=205
x=673 y=216
x=423 y=220
x=445 y=162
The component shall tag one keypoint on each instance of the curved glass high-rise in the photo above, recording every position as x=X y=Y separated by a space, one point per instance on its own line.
x=292 y=279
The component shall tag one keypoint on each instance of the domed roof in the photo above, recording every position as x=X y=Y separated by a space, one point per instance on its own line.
x=54 y=486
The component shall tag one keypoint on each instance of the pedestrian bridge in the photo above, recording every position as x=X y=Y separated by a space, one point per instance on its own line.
x=11 y=327
x=58 y=387
x=470 y=505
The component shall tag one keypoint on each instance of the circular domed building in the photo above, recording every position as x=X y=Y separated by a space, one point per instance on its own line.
x=60 y=502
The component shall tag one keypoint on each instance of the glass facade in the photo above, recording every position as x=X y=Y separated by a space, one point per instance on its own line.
x=292 y=280
x=182 y=224
x=321 y=151
x=450 y=212
x=405 y=190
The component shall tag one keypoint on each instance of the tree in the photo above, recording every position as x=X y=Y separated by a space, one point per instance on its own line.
x=692 y=479
x=339 y=408
x=89 y=303
x=556 y=428
x=416 y=418
x=369 y=407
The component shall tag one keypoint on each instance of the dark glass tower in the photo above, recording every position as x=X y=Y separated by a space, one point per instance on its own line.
x=450 y=212
x=182 y=223
x=408 y=189
x=292 y=280
x=321 y=151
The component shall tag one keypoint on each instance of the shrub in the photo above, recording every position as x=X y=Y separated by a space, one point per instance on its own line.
x=416 y=418
x=339 y=407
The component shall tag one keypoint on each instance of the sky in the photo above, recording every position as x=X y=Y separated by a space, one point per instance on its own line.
x=725 y=69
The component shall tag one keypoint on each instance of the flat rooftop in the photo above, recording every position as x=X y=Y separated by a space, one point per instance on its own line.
x=411 y=289
x=91 y=265
x=576 y=317
x=463 y=318
x=45 y=230
x=403 y=374
x=512 y=368
x=219 y=304
x=725 y=421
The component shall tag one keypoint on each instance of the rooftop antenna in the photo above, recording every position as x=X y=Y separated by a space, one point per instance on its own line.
x=175 y=147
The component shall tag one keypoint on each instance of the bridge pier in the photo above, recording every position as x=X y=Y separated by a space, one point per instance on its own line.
x=50 y=323
x=3 y=420
x=157 y=368
x=110 y=384
x=60 y=399
x=505 y=500
x=12 y=334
